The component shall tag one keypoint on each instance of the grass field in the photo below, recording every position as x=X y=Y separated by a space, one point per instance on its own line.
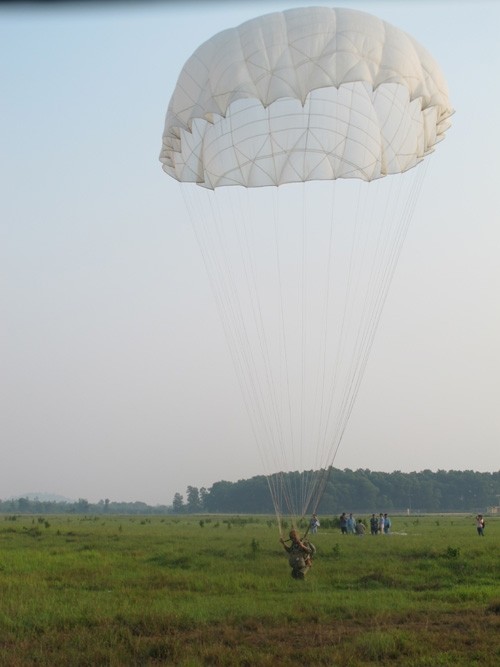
x=193 y=591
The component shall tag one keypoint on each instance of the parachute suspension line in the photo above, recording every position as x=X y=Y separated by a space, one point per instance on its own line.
x=349 y=290
x=297 y=490
x=248 y=266
x=267 y=411
x=345 y=306
x=388 y=242
x=306 y=477
x=351 y=299
x=344 y=315
x=340 y=415
x=205 y=221
x=391 y=252
x=303 y=341
x=283 y=487
x=318 y=376
x=358 y=258
x=220 y=273
x=287 y=484
x=242 y=352
x=320 y=385
x=289 y=491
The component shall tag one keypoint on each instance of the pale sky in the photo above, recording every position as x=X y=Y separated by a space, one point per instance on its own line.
x=115 y=379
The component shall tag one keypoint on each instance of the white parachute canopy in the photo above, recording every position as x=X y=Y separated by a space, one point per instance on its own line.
x=303 y=98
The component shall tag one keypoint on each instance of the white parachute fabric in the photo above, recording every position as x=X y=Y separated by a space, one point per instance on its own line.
x=306 y=94
x=325 y=102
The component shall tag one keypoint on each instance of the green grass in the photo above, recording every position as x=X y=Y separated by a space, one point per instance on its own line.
x=168 y=591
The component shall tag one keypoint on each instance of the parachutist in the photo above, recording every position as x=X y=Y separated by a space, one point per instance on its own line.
x=300 y=554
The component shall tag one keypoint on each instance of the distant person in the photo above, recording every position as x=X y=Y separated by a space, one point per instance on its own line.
x=299 y=555
x=360 y=527
x=343 y=523
x=373 y=524
x=314 y=524
x=381 y=523
x=351 y=524
x=387 y=524
x=480 y=523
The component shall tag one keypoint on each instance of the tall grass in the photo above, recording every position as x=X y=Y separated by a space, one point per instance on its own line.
x=217 y=591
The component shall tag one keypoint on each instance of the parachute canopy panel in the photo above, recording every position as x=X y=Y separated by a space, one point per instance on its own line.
x=305 y=94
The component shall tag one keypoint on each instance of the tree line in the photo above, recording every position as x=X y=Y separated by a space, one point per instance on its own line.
x=25 y=505
x=356 y=491
x=346 y=490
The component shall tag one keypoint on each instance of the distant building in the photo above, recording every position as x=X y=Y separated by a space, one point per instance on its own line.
x=494 y=510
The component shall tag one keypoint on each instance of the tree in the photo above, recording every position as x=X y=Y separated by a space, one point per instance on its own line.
x=203 y=497
x=178 y=504
x=193 y=500
x=220 y=499
x=82 y=506
x=24 y=504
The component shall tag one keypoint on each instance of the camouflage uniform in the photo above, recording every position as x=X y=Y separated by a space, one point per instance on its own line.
x=299 y=558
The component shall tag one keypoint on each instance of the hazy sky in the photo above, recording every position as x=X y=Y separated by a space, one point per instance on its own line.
x=115 y=380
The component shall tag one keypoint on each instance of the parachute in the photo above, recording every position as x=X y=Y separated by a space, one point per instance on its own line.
x=306 y=130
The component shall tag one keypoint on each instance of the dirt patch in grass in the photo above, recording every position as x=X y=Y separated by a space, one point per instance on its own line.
x=457 y=639
x=448 y=639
